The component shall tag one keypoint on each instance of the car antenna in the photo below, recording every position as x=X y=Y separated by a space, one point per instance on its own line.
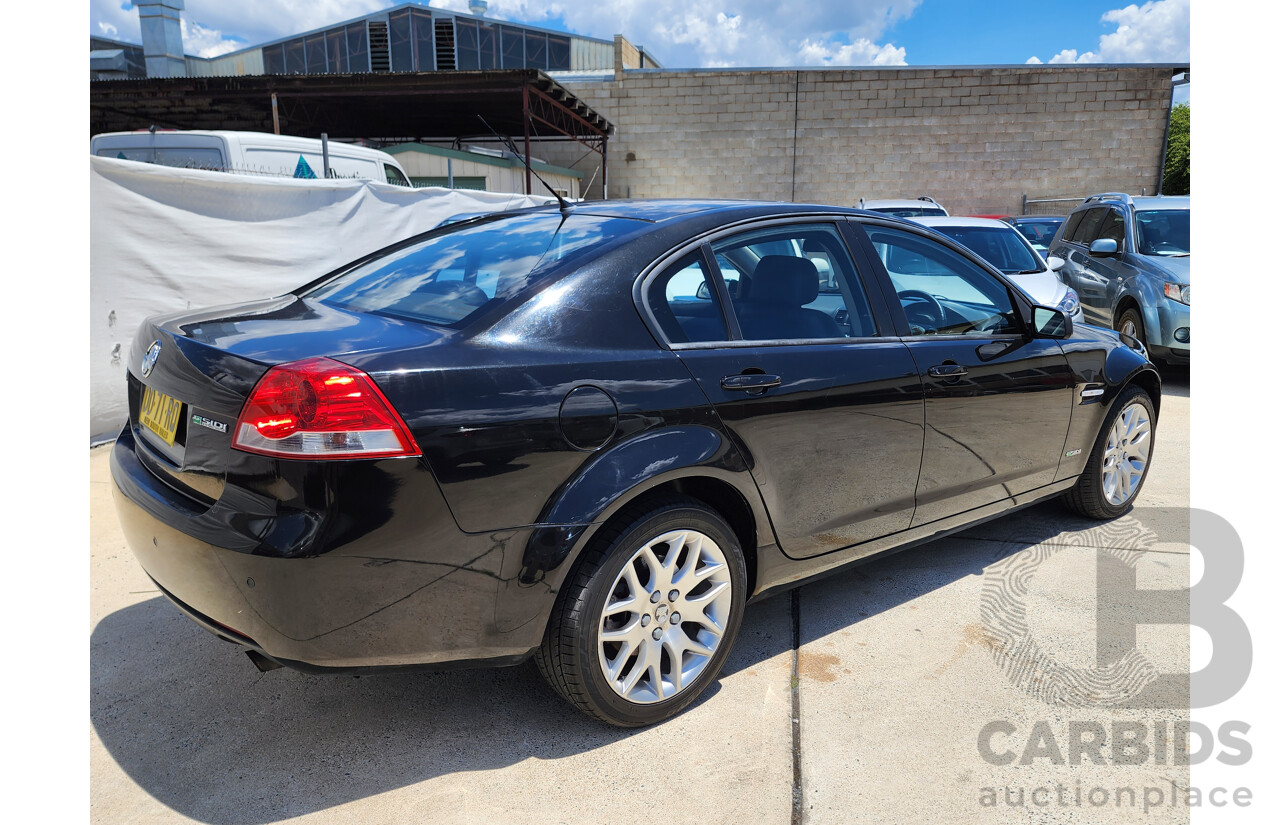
x=565 y=206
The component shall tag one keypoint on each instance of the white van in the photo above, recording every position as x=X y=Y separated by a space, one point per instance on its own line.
x=250 y=153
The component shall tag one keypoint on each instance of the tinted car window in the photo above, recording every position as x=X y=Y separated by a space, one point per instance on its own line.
x=795 y=282
x=448 y=277
x=683 y=299
x=1073 y=223
x=942 y=292
x=1088 y=227
x=1112 y=228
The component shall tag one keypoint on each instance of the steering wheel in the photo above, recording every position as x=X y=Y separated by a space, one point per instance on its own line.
x=931 y=319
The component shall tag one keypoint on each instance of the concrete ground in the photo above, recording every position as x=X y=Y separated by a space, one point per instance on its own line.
x=902 y=665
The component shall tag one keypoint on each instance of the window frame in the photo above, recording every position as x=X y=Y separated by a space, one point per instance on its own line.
x=839 y=223
x=1018 y=299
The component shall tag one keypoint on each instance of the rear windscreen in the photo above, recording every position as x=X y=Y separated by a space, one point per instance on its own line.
x=449 y=277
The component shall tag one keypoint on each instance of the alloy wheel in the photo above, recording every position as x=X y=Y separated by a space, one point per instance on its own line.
x=665 y=616
x=1125 y=458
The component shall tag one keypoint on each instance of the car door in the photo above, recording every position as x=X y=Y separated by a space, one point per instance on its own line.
x=1101 y=279
x=806 y=375
x=1080 y=273
x=997 y=400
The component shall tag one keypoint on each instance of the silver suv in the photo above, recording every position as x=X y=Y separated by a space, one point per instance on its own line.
x=1129 y=260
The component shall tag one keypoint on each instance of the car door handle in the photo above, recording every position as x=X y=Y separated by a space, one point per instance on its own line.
x=948 y=371
x=751 y=382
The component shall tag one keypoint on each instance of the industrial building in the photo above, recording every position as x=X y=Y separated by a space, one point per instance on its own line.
x=614 y=123
x=410 y=37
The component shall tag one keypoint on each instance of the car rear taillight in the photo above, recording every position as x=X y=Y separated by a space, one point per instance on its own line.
x=320 y=408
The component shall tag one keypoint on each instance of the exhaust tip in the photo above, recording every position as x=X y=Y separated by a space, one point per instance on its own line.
x=261 y=662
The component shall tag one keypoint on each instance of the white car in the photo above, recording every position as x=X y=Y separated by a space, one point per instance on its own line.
x=1005 y=248
x=921 y=207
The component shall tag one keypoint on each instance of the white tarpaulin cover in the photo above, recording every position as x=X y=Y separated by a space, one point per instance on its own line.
x=163 y=239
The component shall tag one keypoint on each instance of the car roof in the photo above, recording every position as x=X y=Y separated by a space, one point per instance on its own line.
x=1163 y=202
x=899 y=203
x=1141 y=202
x=658 y=209
x=955 y=220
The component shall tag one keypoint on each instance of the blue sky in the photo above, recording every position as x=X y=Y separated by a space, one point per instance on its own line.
x=711 y=33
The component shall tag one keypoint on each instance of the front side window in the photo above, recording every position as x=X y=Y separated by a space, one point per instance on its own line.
x=1112 y=228
x=684 y=301
x=941 y=291
x=1088 y=227
x=453 y=274
x=794 y=282
x=393 y=176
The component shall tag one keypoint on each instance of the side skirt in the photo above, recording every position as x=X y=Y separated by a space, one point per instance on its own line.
x=776 y=573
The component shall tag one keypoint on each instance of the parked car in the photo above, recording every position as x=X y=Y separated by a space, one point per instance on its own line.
x=1005 y=248
x=250 y=153
x=1037 y=229
x=517 y=436
x=1129 y=259
x=904 y=207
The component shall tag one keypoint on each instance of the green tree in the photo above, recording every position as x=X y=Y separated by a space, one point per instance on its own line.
x=1177 y=160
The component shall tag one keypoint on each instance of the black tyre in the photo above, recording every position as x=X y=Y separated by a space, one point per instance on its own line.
x=1117 y=466
x=1130 y=323
x=647 y=619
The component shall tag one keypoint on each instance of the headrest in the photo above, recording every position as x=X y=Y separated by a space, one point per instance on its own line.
x=784 y=279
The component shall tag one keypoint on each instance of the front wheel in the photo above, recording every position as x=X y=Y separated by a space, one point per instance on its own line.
x=647 y=619
x=1117 y=466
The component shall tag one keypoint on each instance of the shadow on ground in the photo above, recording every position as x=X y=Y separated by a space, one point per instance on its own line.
x=191 y=722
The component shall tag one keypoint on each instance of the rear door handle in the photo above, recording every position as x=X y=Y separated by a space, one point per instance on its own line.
x=948 y=371
x=751 y=382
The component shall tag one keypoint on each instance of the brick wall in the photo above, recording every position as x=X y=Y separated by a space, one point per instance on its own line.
x=976 y=139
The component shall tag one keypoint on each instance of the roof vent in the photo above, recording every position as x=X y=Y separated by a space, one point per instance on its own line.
x=161 y=23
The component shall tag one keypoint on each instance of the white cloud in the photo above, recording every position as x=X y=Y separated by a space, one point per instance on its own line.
x=205 y=42
x=108 y=30
x=1158 y=31
x=679 y=33
x=861 y=52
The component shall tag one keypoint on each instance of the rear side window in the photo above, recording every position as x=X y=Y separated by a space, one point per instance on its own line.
x=684 y=301
x=1073 y=223
x=794 y=282
x=451 y=275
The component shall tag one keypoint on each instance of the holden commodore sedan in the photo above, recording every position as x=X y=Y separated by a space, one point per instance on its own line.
x=565 y=434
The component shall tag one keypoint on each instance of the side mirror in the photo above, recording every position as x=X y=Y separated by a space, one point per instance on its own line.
x=702 y=293
x=1055 y=263
x=1047 y=322
x=1104 y=248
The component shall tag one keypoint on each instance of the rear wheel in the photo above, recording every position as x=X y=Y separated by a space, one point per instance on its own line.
x=648 y=618
x=1117 y=466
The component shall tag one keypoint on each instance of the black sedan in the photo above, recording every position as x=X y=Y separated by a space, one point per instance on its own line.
x=592 y=435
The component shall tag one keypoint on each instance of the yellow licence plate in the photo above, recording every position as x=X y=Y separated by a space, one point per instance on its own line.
x=160 y=414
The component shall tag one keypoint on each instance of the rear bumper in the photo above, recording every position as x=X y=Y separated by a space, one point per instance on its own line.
x=408 y=588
